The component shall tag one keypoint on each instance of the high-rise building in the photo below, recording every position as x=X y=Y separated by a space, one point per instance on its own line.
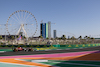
x=68 y=37
x=49 y=29
x=44 y=30
x=41 y=29
x=54 y=33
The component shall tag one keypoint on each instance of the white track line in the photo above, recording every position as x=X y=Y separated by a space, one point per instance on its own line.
x=2 y=51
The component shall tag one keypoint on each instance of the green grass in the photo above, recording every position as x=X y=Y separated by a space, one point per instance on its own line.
x=72 y=63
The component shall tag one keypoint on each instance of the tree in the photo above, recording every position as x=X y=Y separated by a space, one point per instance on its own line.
x=85 y=37
x=73 y=38
x=56 y=38
x=24 y=37
x=17 y=36
x=0 y=37
x=47 y=38
x=63 y=37
x=80 y=37
x=59 y=38
x=12 y=37
x=40 y=37
x=92 y=38
x=51 y=38
x=88 y=38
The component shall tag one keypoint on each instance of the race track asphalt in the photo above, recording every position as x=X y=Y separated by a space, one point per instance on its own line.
x=49 y=51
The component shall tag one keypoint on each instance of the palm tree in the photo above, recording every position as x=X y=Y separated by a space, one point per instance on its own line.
x=12 y=37
x=88 y=37
x=47 y=38
x=56 y=38
x=52 y=38
x=63 y=37
x=24 y=37
x=73 y=38
x=0 y=37
x=59 y=38
x=80 y=37
x=85 y=37
x=92 y=39
x=40 y=37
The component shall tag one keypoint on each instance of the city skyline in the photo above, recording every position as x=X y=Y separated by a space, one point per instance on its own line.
x=72 y=17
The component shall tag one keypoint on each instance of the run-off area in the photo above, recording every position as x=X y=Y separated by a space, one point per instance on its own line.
x=56 y=63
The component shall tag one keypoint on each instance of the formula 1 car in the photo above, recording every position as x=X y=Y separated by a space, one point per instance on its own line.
x=22 y=49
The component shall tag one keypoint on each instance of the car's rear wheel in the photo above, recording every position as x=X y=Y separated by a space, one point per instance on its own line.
x=15 y=50
x=30 y=49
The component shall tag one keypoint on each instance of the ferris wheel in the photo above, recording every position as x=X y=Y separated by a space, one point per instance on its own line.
x=22 y=21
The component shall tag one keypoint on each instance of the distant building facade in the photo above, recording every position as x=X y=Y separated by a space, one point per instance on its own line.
x=49 y=30
x=44 y=30
x=54 y=33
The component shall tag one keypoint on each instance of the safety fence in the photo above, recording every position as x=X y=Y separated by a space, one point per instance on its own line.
x=50 y=47
x=77 y=45
x=57 y=45
x=34 y=46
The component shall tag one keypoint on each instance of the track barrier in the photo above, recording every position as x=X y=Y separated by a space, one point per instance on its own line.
x=77 y=45
x=54 y=46
x=34 y=46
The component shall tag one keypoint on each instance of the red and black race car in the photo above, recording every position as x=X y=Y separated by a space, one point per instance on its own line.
x=22 y=49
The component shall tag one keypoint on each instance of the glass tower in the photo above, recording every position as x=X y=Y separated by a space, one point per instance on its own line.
x=44 y=30
x=54 y=33
x=49 y=30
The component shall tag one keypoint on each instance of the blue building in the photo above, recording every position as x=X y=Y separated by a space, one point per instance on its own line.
x=54 y=33
x=44 y=30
